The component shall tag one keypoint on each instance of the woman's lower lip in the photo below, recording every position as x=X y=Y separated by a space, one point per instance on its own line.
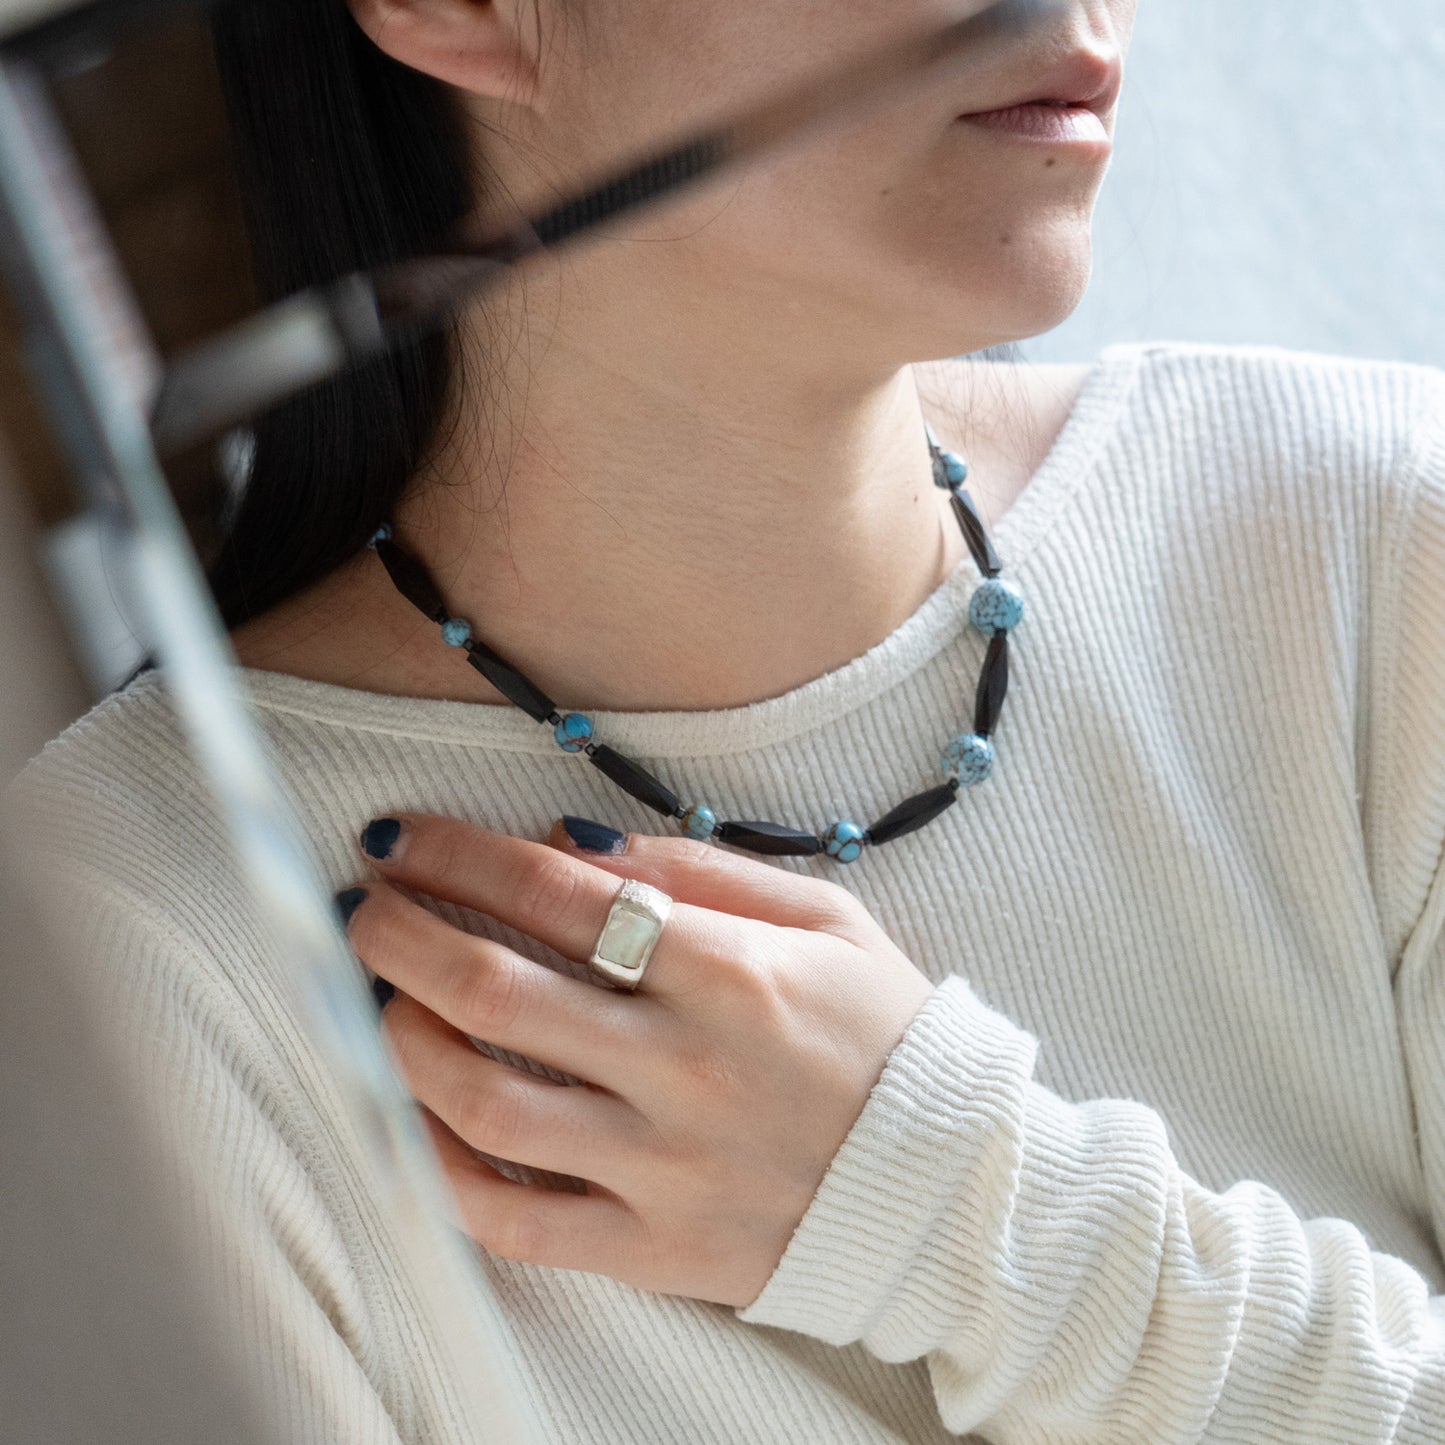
x=1058 y=124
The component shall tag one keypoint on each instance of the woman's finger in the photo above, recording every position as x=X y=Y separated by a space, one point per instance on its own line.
x=708 y=876
x=414 y=846
x=560 y=899
x=592 y=1232
x=491 y=992
x=504 y=1112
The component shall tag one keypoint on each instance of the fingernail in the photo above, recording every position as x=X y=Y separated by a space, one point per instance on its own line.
x=382 y=991
x=593 y=837
x=347 y=902
x=384 y=838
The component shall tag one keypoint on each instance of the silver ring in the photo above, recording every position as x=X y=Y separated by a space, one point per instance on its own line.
x=634 y=923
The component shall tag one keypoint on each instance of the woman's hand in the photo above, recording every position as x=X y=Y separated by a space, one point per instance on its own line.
x=716 y=1095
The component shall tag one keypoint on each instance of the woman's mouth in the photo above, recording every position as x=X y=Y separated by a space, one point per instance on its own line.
x=1053 y=122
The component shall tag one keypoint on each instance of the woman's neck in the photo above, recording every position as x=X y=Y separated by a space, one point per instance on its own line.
x=707 y=572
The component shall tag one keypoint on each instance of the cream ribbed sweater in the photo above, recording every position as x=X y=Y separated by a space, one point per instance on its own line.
x=1163 y=1158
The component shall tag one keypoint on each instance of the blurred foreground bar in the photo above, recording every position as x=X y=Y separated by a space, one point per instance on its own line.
x=109 y=1334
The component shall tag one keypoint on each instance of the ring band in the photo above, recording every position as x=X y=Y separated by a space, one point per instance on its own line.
x=634 y=923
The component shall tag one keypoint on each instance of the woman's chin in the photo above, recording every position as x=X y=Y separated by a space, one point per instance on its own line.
x=1031 y=290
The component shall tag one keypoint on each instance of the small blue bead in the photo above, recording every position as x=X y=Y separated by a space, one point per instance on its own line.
x=844 y=841
x=382 y=534
x=456 y=632
x=955 y=468
x=574 y=732
x=996 y=606
x=969 y=758
x=699 y=822
x=949 y=470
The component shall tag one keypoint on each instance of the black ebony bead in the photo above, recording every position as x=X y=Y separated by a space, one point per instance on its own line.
x=773 y=839
x=913 y=813
x=412 y=580
x=984 y=557
x=509 y=682
x=637 y=781
x=992 y=686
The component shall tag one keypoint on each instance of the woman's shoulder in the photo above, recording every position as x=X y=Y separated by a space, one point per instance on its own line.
x=1314 y=487
x=127 y=860
x=104 y=745
x=1262 y=358
x=1317 y=470
x=1360 y=415
x=116 y=801
x=1230 y=439
x=125 y=738
x=1281 y=411
x=130 y=856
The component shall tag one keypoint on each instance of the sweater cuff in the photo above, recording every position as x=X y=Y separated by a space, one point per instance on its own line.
x=920 y=1193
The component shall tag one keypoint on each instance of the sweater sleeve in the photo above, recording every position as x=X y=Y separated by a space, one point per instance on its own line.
x=1065 y=1280
x=1069 y=1283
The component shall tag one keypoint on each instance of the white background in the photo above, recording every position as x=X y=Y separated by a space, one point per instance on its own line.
x=1278 y=177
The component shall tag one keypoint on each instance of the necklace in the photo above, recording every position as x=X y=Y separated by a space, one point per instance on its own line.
x=995 y=608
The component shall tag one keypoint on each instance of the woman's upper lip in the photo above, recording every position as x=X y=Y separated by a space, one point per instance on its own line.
x=1086 y=79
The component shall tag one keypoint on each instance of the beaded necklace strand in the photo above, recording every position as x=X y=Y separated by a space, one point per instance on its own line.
x=995 y=609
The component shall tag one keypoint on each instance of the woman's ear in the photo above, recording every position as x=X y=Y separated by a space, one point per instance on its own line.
x=476 y=45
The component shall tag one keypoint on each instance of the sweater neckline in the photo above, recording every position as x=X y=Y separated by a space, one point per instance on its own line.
x=1019 y=537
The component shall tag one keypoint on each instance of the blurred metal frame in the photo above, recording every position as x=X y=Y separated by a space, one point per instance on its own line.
x=98 y=371
x=92 y=1243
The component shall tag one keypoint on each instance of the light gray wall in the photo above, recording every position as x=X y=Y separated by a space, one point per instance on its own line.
x=1278 y=177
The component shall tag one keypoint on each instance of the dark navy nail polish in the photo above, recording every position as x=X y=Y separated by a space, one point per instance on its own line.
x=347 y=902
x=594 y=837
x=382 y=991
x=379 y=835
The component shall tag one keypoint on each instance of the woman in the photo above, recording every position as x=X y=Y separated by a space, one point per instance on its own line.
x=1106 y=1106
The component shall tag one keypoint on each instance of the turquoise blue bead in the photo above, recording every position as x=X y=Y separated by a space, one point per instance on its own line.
x=382 y=534
x=698 y=822
x=951 y=468
x=456 y=632
x=996 y=606
x=574 y=732
x=969 y=758
x=844 y=841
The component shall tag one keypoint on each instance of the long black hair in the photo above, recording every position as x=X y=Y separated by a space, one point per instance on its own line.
x=345 y=159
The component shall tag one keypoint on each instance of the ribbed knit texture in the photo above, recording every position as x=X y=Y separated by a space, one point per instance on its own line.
x=1163 y=1157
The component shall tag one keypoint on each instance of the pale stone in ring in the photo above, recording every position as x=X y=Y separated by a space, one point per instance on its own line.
x=634 y=923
